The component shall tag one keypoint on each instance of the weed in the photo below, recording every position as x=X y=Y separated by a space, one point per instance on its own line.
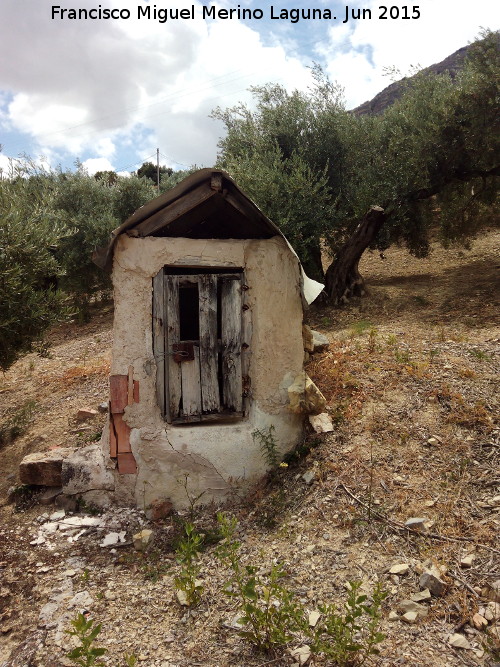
x=392 y=340
x=270 y=615
x=86 y=654
x=130 y=660
x=85 y=576
x=358 y=328
x=24 y=496
x=372 y=337
x=17 y=423
x=187 y=553
x=351 y=636
x=479 y=354
x=401 y=356
x=42 y=348
x=432 y=355
x=191 y=499
x=267 y=442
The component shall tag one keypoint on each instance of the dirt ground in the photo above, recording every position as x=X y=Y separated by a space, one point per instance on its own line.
x=411 y=379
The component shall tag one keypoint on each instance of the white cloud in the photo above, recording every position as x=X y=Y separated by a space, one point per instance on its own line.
x=104 y=88
x=93 y=165
x=360 y=50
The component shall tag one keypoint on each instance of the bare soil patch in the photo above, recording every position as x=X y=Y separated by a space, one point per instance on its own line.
x=411 y=378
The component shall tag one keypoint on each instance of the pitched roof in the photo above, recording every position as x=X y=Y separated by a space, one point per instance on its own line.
x=206 y=204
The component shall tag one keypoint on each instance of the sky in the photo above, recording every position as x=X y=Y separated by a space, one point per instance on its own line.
x=108 y=92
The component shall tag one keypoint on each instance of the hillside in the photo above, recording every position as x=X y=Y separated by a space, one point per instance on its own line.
x=411 y=378
x=452 y=64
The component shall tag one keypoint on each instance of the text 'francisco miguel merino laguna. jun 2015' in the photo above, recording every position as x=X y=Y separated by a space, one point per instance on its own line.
x=211 y=12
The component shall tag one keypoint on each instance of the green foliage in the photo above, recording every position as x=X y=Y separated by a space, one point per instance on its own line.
x=267 y=442
x=17 y=423
x=430 y=160
x=150 y=171
x=86 y=654
x=350 y=636
x=187 y=553
x=270 y=615
x=50 y=224
x=29 y=232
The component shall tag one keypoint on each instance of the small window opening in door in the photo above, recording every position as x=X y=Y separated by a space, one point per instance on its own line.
x=189 y=315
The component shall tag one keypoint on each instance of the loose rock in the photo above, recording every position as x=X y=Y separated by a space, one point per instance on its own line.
x=400 y=568
x=436 y=585
x=143 y=539
x=458 y=641
x=85 y=413
x=410 y=617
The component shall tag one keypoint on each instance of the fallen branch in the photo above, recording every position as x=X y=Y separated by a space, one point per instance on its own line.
x=400 y=526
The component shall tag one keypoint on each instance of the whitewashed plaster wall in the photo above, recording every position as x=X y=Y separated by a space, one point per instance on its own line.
x=210 y=458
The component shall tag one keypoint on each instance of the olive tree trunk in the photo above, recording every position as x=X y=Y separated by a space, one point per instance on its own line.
x=342 y=278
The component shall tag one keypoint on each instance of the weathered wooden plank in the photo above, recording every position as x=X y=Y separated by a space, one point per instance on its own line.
x=208 y=343
x=174 y=211
x=172 y=335
x=159 y=339
x=246 y=344
x=126 y=464
x=122 y=431
x=231 y=303
x=191 y=385
x=118 y=390
x=136 y=391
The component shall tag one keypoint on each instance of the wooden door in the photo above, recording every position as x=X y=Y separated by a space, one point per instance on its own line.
x=197 y=338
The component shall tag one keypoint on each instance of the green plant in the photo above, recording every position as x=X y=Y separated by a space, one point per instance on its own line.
x=350 y=636
x=270 y=616
x=402 y=356
x=192 y=500
x=130 y=660
x=358 y=328
x=372 y=337
x=187 y=552
x=17 y=423
x=267 y=442
x=86 y=632
x=479 y=354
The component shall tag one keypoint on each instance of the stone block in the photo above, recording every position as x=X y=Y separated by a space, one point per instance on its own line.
x=85 y=470
x=44 y=468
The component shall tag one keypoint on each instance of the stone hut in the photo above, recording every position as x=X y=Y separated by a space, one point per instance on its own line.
x=208 y=340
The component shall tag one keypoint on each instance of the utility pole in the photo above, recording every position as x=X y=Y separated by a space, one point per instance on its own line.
x=158 y=170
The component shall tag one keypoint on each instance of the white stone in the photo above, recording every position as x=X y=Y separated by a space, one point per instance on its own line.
x=417 y=523
x=410 y=617
x=309 y=476
x=422 y=595
x=410 y=605
x=321 y=423
x=458 y=641
x=399 y=568
x=313 y=618
x=143 y=539
x=113 y=538
x=301 y=654
x=467 y=561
